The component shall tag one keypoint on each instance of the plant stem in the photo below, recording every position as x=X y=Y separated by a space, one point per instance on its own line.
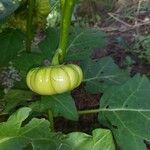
x=31 y=4
x=51 y=120
x=66 y=14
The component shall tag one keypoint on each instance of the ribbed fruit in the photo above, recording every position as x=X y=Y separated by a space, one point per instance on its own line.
x=54 y=79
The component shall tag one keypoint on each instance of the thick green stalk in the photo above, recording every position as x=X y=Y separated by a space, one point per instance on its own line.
x=31 y=4
x=67 y=9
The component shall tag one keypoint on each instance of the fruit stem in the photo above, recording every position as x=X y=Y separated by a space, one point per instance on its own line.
x=66 y=14
x=31 y=4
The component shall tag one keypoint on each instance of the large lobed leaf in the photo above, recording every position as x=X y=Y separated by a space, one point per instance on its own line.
x=36 y=134
x=103 y=73
x=83 y=41
x=60 y=105
x=126 y=110
x=13 y=136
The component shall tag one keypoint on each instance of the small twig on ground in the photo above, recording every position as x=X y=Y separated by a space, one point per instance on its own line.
x=119 y=20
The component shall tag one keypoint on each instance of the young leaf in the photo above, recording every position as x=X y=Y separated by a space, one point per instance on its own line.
x=83 y=41
x=11 y=41
x=103 y=73
x=101 y=139
x=126 y=110
x=60 y=105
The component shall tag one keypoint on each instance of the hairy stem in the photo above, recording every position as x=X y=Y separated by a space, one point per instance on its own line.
x=31 y=4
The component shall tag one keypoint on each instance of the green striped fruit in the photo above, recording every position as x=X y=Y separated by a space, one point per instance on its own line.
x=54 y=79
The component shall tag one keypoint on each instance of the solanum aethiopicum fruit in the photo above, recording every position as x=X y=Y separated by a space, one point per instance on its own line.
x=54 y=79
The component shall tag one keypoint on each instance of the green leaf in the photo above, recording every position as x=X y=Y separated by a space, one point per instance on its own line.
x=11 y=41
x=15 y=136
x=83 y=41
x=9 y=129
x=50 y=43
x=126 y=110
x=16 y=97
x=60 y=105
x=101 y=139
x=19 y=117
x=103 y=73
